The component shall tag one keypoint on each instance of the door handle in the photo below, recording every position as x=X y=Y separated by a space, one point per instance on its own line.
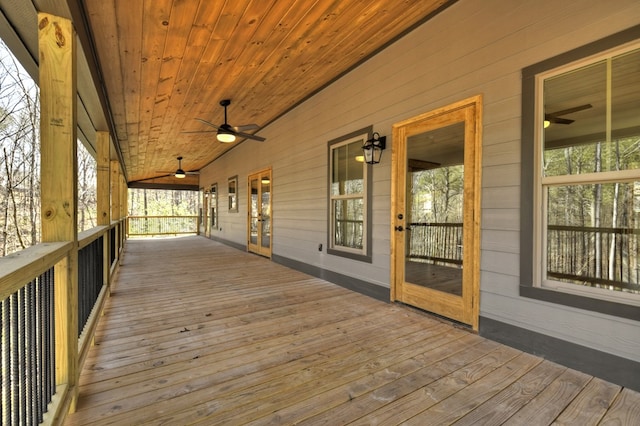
x=399 y=228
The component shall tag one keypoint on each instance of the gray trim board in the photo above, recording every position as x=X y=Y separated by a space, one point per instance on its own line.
x=360 y=286
x=241 y=247
x=363 y=287
x=615 y=369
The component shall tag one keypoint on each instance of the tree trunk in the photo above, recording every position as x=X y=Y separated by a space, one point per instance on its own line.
x=614 y=219
x=597 y=201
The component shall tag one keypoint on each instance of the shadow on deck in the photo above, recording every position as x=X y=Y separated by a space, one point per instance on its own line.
x=198 y=332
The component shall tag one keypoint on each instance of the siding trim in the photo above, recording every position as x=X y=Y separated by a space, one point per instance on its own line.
x=360 y=286
x=354 y=284
x=612 y=368
x=229 y=243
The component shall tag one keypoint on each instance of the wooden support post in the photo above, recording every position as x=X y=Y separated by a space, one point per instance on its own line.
x=59 y=182
x=124 y=192
x=115 y=190
x=104 y=201
x=115 y=204
x=104 y=170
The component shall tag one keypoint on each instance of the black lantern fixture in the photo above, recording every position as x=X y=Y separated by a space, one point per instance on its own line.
x=373 y=148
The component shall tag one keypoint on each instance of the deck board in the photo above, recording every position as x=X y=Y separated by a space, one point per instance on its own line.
x=196 y=332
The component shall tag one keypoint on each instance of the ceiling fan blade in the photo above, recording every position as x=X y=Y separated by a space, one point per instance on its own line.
x=571 y=110
x=252 y=137
x=208 y=123
x=555 y=117
x=557 y=120
x=245 y=127
x=200 y=131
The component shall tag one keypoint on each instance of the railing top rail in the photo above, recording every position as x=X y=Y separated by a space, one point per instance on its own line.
x=594 y=229
x=87 y=237
x=22 y=267
x=443 y=224
x=163 y=216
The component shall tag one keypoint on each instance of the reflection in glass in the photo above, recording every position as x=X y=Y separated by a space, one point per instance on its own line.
x=253 y=219
x=435 y=202
x=349 y=221
x=214 y=207
x=593 y=237
x=347 y=196
x=592 y=118
x=347 y=172
x=265 y=212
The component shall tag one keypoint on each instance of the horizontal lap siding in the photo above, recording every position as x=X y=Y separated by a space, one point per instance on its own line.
x=470 y=48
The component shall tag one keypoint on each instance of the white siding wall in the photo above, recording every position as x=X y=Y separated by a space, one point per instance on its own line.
x=472 y=47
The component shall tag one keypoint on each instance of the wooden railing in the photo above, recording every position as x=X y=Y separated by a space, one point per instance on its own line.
x=596 y=257
x=162 y=225
x=39 y=372
x=440 y=243
x=348 y=233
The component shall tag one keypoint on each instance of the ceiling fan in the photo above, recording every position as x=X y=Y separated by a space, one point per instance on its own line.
x=180 y=173
x=556 y=117
x=227 y=133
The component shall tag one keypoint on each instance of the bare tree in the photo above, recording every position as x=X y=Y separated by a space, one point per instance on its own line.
x=19 y=188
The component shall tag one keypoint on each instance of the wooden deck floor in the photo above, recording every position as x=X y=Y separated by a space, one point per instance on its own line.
x=197 y=332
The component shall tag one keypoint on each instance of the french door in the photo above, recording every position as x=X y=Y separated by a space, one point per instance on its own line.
x=259 y=208
x=436 y=211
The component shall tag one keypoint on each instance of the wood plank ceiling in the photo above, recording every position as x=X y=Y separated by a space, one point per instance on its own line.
x=166 y=62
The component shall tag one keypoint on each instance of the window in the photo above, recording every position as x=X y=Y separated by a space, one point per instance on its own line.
x=349 y=224
x=233 y=194
x=585 y=140
x=214 y=206
x=201 y=203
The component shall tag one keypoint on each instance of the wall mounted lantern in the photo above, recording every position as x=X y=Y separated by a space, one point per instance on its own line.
x=373 y=148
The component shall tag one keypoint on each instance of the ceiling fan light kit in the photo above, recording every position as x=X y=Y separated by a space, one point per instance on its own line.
x=225 y=136
x=180 y=174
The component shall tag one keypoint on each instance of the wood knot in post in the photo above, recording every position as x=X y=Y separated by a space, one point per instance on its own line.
x=60 y=39
x=43 y=22
x=49 y=213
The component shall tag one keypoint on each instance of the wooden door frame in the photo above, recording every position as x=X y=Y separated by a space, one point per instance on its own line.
x=398 y=185
x=268 y=171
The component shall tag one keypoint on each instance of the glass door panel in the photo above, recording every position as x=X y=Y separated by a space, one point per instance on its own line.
x=259 y=225
x=253 y=211
x=435 y=201
x=265 y=211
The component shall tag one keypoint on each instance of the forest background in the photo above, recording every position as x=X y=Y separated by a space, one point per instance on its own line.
x=20 y=168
